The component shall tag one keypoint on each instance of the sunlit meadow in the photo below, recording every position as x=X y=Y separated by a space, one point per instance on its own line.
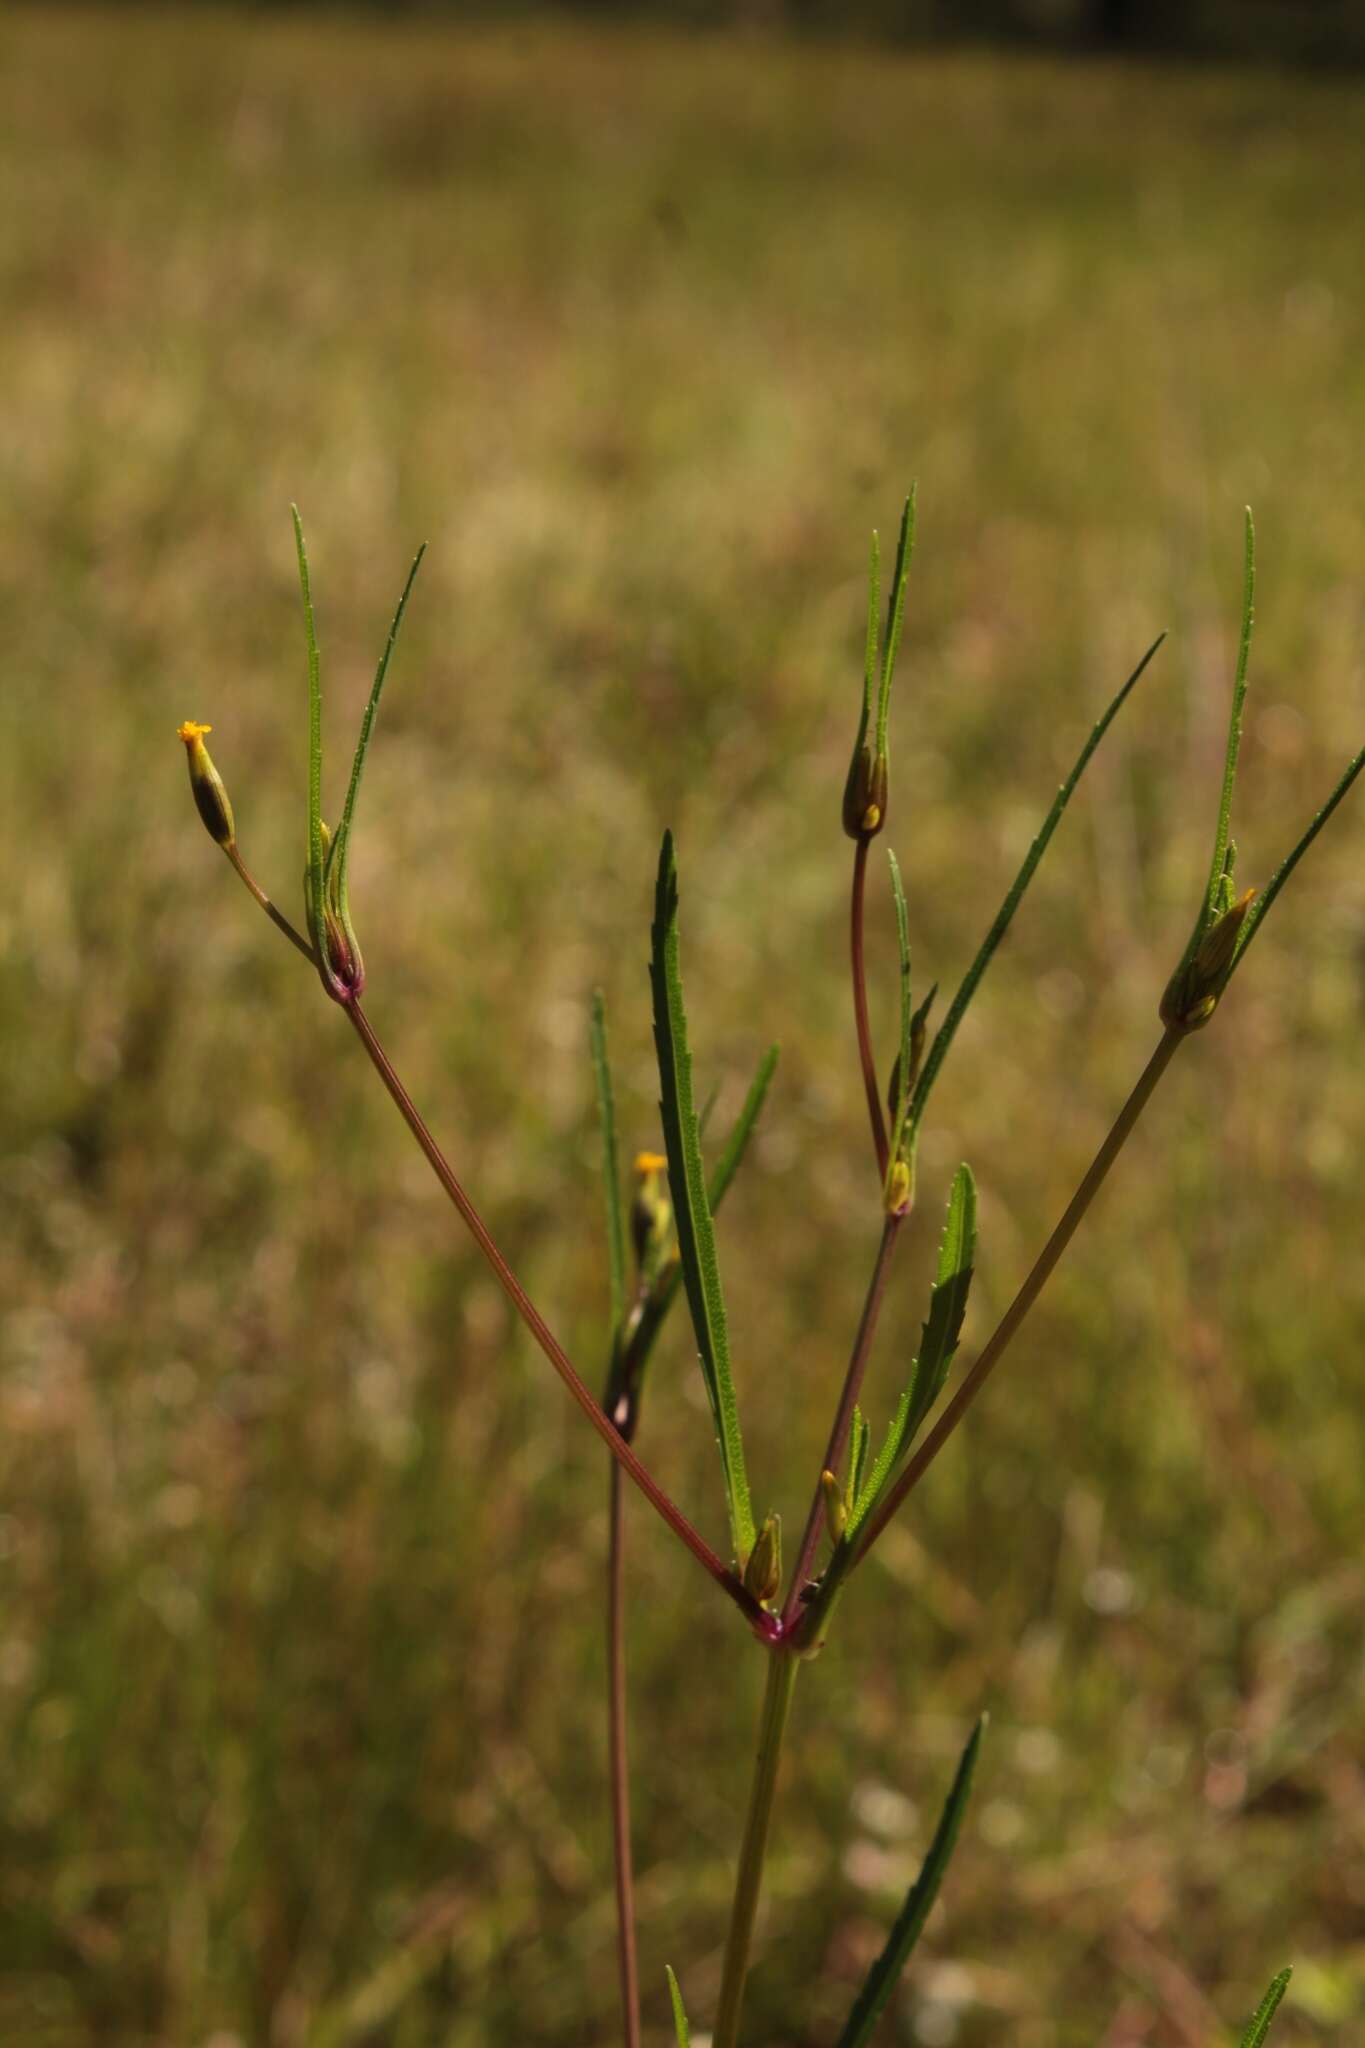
x=300 y=1543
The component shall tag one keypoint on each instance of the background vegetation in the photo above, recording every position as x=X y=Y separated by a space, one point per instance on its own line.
x=300 y=1545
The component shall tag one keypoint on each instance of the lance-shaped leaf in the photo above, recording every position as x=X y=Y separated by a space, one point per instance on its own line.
x=1259 y=2025
x=947 y=1030
x=691 y=1204
x=611 y=1169
x=665 y=1292
x=339 y=852
x=682 y=2032
x=895 y=616
x=938 y=1343
x=886 y=1971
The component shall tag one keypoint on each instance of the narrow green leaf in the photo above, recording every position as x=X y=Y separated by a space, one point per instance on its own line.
x=680 y=2026
x=886 y=1971
x=947 y=1030
x=611 y=1168
x=316 y=919
x=948 y=1297
x=873 y=627
x=341 y=844
x=907 y=1014
x=691 y=1207
x=895 y=615
x=665 y=1294
x=737 y=1143
x=860 y=1437
x=938 y=1344
x=1291 y=860
x=1265 y=2012
x=1239 y=691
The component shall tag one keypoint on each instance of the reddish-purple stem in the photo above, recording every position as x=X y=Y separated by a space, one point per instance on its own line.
x=1028 y=1293
x=843 y=1415
x=865 y=1054
x=762 y=1624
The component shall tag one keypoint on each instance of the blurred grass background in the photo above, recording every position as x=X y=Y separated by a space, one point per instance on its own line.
x=300 y=1545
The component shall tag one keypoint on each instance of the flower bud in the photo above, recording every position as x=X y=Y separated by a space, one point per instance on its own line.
x=1191 y=995
x=210 y=797
x=763 y=1572
x=865 y=794
x=898 y=1188
x=836 y=1508
x=651 y=1213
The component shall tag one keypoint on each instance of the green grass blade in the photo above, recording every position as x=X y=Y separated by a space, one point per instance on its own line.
x=317 y=923
x=1265 y=2012
x=691 y=1207
x=681 y=2029
x=1291 y=860
x=947 y=1030
x=1239 y=691
x=886 y=1971
x=611 y=1166
x=895 y=615
x=341 y=844
x=738 y=1141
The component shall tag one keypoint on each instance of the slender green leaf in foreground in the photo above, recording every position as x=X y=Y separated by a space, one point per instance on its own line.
x=937 y=1346
x=691 y=1206
x=680 y=2027
x=611 y=1169
x=943 y=1037
x=666 y=1287
x=1265 y=2012
x=316 y=916
x=895 y=617
x=339 y=852
x=886 y=1971
x=1239 y=692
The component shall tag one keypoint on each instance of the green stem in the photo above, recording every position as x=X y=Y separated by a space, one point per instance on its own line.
x=772 y=1725
x=619 y=1766
x=1031 y=1289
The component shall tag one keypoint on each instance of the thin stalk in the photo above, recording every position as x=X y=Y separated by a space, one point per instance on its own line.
x=772 y=1725
x=1033 y=1286
x=763 y=1624
x=865 y=1053
x=619 y=1765
x=277 y=917
x=843 y=1416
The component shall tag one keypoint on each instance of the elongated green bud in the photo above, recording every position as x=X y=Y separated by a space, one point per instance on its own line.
x=836 y=1508
x=763 y=1572
x=210 y=797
